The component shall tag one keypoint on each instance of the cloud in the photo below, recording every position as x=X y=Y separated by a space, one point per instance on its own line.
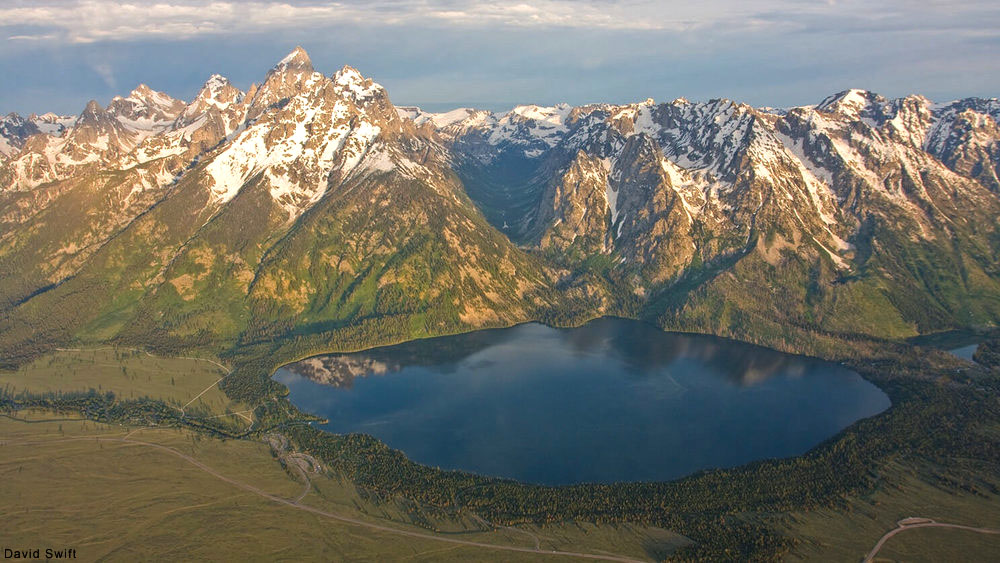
x=448 y=53
x=106 y=73
x=37 y=37
x=88 y=21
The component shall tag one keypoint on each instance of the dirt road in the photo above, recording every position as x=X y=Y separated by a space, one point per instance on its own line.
x=914 y=522
x=299 y=506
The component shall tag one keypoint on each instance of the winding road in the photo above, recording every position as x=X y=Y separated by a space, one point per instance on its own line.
x=915 y=522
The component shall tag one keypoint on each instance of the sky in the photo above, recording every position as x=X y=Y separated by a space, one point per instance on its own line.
x=55 y=55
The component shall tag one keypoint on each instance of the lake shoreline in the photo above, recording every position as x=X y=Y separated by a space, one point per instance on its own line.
x=759 y=364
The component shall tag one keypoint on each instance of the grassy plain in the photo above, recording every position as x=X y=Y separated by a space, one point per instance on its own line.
x=931 y=545
x=188 y=383
x=848 y=532
x=76 y=483
x=72 y=483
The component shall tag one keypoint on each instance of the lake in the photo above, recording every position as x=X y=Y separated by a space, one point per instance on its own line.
x=613 y=400
x=959 y=343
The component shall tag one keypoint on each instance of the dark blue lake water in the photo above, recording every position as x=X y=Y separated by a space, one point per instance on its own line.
x=960 y=343
x=965 y=352
x=613 y=400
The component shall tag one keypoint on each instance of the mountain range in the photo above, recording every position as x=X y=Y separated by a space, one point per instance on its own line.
x=310 y=206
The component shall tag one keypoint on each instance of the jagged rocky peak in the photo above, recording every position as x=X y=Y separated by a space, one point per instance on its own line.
x=93 y=126
x=92 y=110
x=14 y=131
x=544 y=121
x=370 y=99
x=144 y=105
x=305 y=130
x=349 y=80
x=92 y=135
x=290 y=77
x=219 y=90
x=631 y=118
x=12 y=119
x=445 y=119
x=51 y=123
x=297 y=60
x=370 y=96
x=967 y=140
x=854 y=103
x=100 y=133
x=531 y=128
x=93 y=115
x=451 y=125
x=218 y=93
x=985 y=106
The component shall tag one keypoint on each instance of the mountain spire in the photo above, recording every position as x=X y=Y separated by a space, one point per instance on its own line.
x=297 y=60
x=285 y=80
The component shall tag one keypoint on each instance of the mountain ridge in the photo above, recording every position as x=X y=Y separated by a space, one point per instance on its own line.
x=237 y=217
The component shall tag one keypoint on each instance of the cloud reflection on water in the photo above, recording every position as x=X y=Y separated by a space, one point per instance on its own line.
x=645 y=350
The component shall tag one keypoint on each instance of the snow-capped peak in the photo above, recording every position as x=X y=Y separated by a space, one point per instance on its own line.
x=145 y=108
x=12 y=118
x=290 y=77
x=14 y=131
x=553 y=115
x=143 y=94
x=52 y=124
x=850 y=103
x=91 y=111
x=217 y=92
x=349 y=80
x=348 y=75
x=440 y=120
x=529 y=123
x=215 y=83
x=297 y=59
x=141 y=91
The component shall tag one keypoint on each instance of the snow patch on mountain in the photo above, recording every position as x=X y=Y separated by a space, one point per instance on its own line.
x=297 y=148
x=439 y=120
x=528 y=123
x=849 y=103
x=349 y=81
x=52 y=124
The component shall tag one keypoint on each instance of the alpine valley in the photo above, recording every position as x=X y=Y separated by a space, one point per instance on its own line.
x=309 y=215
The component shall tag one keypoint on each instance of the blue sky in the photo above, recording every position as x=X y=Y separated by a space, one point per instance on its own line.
x=57 y=54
